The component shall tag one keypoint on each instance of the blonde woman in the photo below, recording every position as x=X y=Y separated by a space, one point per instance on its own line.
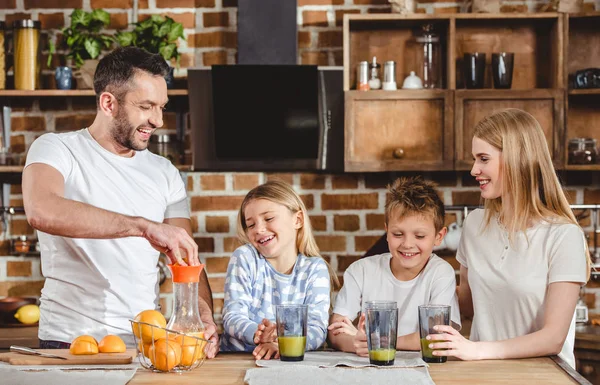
x=524 y=257
x=279 y=264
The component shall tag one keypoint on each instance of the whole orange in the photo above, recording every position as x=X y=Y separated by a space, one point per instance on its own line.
x=165 y=355
x=111 y=344
x=83 y=347
x=148 y=333
x=144 y=348
x=191 y=349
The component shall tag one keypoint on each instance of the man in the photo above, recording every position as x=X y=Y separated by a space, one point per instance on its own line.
x=104 y=208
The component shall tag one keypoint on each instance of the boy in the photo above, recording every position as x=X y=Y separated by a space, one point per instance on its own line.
x=410 y=274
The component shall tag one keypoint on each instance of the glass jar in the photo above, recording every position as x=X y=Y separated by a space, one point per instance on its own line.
x=2 y=56
x=582 y=151
x=26 y=49
x=22 y=244
x=167 y=146
x=429 y=57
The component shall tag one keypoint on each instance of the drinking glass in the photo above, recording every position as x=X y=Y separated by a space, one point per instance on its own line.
x=291 y=331
x=474 y=69
x=502 y=69
x=430 y=316
x=381 y=324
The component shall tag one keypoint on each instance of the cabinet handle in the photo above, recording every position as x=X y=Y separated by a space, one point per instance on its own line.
x=399 y=153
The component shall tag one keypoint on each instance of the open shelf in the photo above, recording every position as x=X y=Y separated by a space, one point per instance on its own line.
x=583 y=167
x=590 y=91
x=37 y=93
x=18 y=169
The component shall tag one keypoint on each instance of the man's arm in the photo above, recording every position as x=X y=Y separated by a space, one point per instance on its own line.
x=49 y=211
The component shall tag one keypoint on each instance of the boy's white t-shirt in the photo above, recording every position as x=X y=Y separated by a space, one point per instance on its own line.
x=509 y=282
x=94 y=286
x=371 y=279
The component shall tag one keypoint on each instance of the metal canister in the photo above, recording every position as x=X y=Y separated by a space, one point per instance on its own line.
x=389 y=75
x=362 y=76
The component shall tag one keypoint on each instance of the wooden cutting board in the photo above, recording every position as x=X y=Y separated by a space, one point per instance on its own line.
x=100 y=358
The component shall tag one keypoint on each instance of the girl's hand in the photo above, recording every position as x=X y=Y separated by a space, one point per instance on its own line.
x=456 y=345
x=343 y=327
x=266 y=332
x=266 y=351
x=360 y=339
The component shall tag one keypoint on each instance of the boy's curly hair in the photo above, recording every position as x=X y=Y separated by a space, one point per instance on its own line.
x=409 y=196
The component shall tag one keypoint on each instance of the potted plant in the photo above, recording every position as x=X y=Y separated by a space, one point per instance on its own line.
x=84 y=42
x=157 y=34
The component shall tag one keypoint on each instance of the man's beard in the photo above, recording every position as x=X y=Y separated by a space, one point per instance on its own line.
x=123 y=132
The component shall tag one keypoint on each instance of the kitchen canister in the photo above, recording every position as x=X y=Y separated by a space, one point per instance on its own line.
x=2 y=57
x=26 y=48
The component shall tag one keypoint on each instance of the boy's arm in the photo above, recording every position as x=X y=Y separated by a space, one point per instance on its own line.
x=410 y=341
x=342 y=333
x=318 y=299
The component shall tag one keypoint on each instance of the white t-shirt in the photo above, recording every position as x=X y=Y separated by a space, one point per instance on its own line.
x=509 y=282
x=94 y=286
x=371 y=279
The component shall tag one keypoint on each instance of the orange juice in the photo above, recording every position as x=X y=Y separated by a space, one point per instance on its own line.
x=292 y=348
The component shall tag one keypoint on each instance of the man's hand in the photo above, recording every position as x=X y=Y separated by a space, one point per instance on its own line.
x=174 y=242
x=266 y=351
x=266 y=332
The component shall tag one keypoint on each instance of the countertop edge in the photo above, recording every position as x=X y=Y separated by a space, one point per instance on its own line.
x=570 y=371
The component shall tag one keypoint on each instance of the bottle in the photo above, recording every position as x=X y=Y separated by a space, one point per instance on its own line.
x=374 y=80
x=2 y=57
x=26 y=48
x=185 y=317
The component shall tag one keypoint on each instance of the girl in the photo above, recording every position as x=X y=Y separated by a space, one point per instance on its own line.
x=524 y=257
x=279 y=264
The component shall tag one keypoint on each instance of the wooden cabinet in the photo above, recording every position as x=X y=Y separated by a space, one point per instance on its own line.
x=434 y=136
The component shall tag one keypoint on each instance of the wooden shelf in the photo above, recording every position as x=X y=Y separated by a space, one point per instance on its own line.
x=583 y=167
x=398 y=94
x=590 y=91
x=6 y=169
x=38 y=93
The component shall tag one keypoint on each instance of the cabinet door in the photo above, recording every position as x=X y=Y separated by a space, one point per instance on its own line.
x=398 y=130
x=546 y=105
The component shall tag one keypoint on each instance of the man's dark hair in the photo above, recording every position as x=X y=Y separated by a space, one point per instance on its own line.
x=117 y=69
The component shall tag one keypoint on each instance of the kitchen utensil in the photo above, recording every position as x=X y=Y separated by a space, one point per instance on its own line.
x=412 y=82
x=362 y=76
x=389 y=76
x=474 y=69
x=502 y=69
x=33 y=352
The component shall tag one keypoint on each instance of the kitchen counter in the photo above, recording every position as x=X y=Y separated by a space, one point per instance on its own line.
x=231 y=369
x=23 y=336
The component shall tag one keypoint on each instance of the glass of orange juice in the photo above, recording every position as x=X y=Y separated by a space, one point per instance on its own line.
x=291 y=331
x=381 y=324
x=430 y=316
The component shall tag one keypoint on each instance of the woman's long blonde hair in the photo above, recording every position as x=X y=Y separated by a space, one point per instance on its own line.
x=282 y=193
x=529 y=180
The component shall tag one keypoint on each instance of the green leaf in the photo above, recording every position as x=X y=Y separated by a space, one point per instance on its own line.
x=157 y=19
x=80 y=17
x=175 y=32
x=163 y=30
x=125 y=39
x=146 y=24
x=101 y=15
x=92 y=47
x=51 y=51
x=167 y=51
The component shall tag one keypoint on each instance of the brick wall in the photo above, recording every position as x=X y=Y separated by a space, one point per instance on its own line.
x=346 y=210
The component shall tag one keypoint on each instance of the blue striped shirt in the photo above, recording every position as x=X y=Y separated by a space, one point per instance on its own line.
x=253 y=288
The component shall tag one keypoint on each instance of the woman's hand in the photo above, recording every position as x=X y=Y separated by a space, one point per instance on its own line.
x=455 y=344
x=210 y=333
x=266 y=332
x=360 y=339
x=266 y=351
x=344 y=326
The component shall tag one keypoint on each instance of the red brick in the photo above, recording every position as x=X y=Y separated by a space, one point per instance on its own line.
x=194 y=220
x=15 y=189
x=329 y=39
x=314 y=18
x=318 y=222
x=304 y=39
x=591 y=196
x=9 y=18
x=21 y=288
x=312 y=181
x=5 y=247
x=190 y=183
x=73 y=122
x=346 y=222
x=213 y=39
x=186 y=60
x=185 y=3
x=331 y=242
x=205 y=244
x=216 y=265
x=287 y=178
x=348 y=181
x=143 y=4
x=16 y=202
x=339 y=15
x=7 y=4
x=444 y=10
x=217 y=224
x=52 y=20
x=375 y=222
x=17 y=143
x=187 y=19
x=28 y=123
x=314 y=58
x=319 y=2
x=203 y=203
x=571 y=195
x=122 y=4
x=364 y=242
x=230 y=244
x=118 y=21
x=345 y=261
x=371 y=2
x=212 y=182
x=214 y=57
x=18 y=268
x=449 y=218
x=215 y=19
x=349 y=201
x=217 y=284
x=29 y=4
x=588 y=7
x=245 y=181
x=471 y=198
x=309 y=201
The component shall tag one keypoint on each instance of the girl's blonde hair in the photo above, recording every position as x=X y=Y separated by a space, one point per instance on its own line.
x=282 y=193
x=528 y=176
